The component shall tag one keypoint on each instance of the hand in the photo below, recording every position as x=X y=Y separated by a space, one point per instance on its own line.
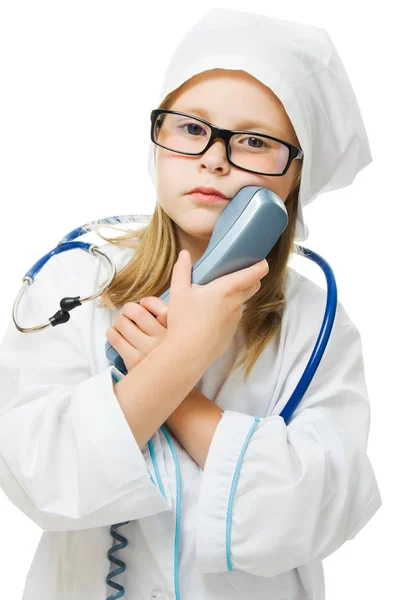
x=138 y=330
x=205 y=317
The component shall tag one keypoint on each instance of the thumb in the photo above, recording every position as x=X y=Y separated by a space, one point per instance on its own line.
x=182 y=272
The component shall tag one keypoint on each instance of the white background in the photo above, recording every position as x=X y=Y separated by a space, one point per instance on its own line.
x=78 y=81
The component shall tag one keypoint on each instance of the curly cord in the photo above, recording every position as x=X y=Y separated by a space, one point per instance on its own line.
x=116 y=561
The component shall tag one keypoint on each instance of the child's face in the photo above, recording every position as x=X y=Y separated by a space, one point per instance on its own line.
x=228 y=97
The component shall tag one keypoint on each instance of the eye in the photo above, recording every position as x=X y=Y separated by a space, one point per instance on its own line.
x=259 y=140
x=191 y=126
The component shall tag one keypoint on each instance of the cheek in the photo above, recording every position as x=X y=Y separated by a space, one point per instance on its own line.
x=169 y=177
x=166 y=192
x=279 y=185
x=275 y=184
x=167 y=198
x=172 y=183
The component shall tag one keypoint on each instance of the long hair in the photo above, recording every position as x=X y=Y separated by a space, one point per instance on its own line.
x=149 y=272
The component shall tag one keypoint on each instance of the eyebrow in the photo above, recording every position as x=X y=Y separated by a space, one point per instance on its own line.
x=242 y=125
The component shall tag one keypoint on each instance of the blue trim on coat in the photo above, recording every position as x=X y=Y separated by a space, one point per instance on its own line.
x=177 y=513
x=156 y=469
x=233 y=491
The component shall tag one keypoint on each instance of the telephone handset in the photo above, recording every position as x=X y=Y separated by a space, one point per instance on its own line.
x=245 y=233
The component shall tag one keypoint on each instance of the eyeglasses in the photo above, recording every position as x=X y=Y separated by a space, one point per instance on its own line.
x=255 y=152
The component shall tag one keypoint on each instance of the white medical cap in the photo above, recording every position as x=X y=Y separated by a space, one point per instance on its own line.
x=300 y=64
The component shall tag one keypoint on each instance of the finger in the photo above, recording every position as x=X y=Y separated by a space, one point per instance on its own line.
x=251 y=276
x=256 y=271
x=142 y=318
x=122 y=346
x=181 y=274
x=131 y=333
x=251 y=291
x=157 y=307
x=244 y=278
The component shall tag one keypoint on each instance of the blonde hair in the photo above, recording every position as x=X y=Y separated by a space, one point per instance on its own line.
x=149 y=272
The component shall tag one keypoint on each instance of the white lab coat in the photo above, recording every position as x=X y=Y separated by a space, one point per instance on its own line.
x=272 y=501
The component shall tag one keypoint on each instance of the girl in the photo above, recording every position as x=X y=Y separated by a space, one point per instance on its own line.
x=217 y=497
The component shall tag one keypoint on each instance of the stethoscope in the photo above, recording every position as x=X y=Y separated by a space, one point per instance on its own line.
x=69 y=303
x=65 y=244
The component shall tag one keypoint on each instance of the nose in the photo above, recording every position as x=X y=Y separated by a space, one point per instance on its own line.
x=215 y=157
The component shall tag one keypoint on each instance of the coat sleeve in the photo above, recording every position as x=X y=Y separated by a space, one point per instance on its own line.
x=68 y=458
x=277 y=496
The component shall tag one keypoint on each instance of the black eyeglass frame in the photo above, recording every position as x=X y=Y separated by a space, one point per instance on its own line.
x=225 y=134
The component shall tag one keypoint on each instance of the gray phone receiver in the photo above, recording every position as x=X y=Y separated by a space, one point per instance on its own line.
x=245 y=233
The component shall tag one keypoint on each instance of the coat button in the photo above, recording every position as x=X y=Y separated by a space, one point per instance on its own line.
x=157 y=595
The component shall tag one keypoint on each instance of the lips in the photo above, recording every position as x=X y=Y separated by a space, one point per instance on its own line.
x=210 y=191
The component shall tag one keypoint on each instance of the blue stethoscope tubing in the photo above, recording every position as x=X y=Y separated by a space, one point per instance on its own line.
x=67 y=304
x=66 y=244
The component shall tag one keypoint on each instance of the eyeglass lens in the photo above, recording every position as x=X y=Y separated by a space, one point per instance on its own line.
x=190 y=136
